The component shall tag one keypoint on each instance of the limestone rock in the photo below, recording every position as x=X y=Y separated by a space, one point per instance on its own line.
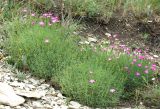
x=8 y=96
x=31 y=94
x=90 y=39
x=74 y=105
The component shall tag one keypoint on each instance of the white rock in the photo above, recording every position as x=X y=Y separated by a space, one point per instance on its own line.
x=44 y=86
x=59 y=95
x=42 y=80
x=86 y=42
x=33 y=81
x=17 y=84
x=8 y=96
x=30 y=86
x=90 y=39
x=156 y=56
x=81 y=42
x=108 y=34
x=37 y=104
x=64 y=107
x=31 y=94
x=74 y=105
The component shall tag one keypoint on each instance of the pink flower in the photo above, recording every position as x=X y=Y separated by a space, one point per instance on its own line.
x=139 y=65
x=153 y=68
x=139 y=50
x=128 y=53
x=146 y=67
x=54 y=19
x=154 y=65
x=92 y=81
x=146 y=71
x=141 y=57
x=41 y=23
x=112 y=90
x=122 y=46
x=45 y=15
x=33 y=14
x=134 y=60
x=137 y=74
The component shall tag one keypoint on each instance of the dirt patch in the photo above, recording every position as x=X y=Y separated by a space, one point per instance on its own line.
x=130 y=30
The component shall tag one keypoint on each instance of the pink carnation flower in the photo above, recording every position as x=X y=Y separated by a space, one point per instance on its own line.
x=137 y=74
x=141 y=57
x=92 y=81
x=54 y=19
x=146 y=71
x=41 y=23
x=33 y=14
x=139 y=65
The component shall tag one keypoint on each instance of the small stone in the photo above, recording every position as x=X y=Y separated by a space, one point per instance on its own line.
x=90 y=39
x=17 y=84
x=7 y=107
x=108 y=34
x=31 y=86
x=74 y=105
x=44 y=86
x=59 y=95
x=64 y=107
x=37 y=104
x=42 y=80
x=47 y=106
x=25 y=81
x=18 y=107
x=86 y=42
x=33 y=81
x=156 y=56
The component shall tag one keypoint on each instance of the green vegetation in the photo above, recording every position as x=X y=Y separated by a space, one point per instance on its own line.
x=50 y=50
x=98 y=76
x=106 y=8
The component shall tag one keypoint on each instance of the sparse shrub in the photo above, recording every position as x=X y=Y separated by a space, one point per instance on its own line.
x=21 y=76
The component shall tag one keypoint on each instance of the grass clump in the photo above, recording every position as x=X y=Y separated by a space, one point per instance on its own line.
x=42 y=48
x=97 y=83
x=104 y=79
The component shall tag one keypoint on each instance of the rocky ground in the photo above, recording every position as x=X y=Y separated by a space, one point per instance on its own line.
x=37 y=93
